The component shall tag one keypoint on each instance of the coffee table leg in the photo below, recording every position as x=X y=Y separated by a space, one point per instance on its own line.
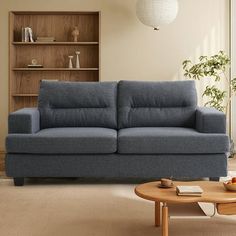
x=165 y=220
x=157 y=214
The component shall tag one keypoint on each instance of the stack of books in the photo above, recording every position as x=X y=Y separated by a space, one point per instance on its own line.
x=45 y=39
x=194 y=191
x=35 y=66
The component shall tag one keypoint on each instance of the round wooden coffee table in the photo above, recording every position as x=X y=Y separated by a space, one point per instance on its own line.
x=214 y=192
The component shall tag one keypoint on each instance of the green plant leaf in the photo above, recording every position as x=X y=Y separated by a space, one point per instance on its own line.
x=212 y=67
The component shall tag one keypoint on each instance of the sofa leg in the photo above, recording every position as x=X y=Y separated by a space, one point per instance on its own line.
x=19 y=181
x=216 y=179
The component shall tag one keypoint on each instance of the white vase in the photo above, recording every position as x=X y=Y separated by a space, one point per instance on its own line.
x=70 y=62
x=77 y=59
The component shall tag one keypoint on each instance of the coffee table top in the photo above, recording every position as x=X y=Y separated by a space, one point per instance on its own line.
x=213 y=192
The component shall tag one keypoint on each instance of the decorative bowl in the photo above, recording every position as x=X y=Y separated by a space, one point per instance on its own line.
x=229 y=187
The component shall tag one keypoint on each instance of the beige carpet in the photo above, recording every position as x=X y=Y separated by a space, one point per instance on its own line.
x=69 y=208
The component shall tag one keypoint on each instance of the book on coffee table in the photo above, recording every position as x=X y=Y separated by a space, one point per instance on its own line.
x=195 y=191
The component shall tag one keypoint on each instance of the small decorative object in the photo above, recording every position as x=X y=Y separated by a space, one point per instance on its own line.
x=70 y=62
x=30 y=34
x=34 y=64
x=77 y=59
x=166 y=183
x=155 y=13
x=75 y=34
x=230 y=184
x=27 y=34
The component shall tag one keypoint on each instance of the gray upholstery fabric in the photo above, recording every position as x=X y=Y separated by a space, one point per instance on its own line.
x=79 y=137
x=169 y=141
x=156 y=104
x=64 y=140
x=115 y=165
x=25 y=121
x=210 y=120
x=78 y=104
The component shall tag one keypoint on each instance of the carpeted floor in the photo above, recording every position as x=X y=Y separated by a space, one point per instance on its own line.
x=71 y=208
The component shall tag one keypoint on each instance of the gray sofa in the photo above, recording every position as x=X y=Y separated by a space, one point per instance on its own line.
x=125 y=129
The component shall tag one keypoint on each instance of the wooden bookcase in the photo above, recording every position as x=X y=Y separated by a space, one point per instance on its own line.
x=24 y=81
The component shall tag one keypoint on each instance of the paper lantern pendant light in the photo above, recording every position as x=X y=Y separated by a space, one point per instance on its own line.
x=155 y=13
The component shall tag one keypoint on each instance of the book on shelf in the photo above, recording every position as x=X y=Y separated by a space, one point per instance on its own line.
x=50 y=80
x=26 y=34
x=194 y=191
x=35 y=66
x=45 y=39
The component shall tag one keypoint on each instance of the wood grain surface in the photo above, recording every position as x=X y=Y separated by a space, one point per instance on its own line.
x=214 y=192
x=24 y=82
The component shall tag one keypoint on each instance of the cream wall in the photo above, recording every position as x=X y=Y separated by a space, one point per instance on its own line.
x=130 y=50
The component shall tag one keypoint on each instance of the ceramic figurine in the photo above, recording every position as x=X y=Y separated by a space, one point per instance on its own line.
x=75 y=34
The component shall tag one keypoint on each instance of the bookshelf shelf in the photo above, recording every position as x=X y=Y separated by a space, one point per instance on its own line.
x=55 y=69
x=24 y=95
x=54 y=43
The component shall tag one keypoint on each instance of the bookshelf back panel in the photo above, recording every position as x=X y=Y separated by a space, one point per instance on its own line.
x=56 y=56
x=21 y=102
x=28 y=82
x=59 y=26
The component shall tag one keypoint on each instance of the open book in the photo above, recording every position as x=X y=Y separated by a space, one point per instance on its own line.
x=189 y=191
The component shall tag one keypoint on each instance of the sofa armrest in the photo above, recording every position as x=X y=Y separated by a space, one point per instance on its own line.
x=26 y=121
x=210 y=120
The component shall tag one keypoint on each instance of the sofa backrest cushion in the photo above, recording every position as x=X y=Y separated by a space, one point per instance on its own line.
x=78 y=104
x=156 y=104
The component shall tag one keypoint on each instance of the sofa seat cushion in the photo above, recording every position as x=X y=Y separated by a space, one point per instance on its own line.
x=170 y=140
x=64 y=141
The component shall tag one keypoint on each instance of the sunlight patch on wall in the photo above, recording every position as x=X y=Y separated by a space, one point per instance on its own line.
x=211 y=44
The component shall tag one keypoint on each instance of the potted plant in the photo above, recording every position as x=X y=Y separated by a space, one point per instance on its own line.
x=215 y=68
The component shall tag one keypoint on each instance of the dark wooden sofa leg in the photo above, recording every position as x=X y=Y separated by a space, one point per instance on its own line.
x=216 y=179
x=19 y=181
